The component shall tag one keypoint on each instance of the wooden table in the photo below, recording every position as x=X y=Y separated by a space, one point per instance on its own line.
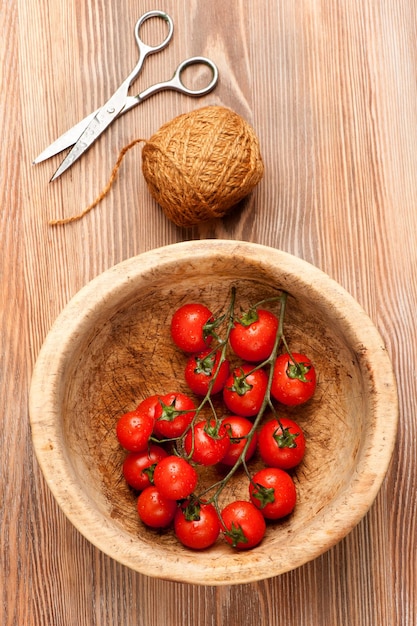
x=331 y=89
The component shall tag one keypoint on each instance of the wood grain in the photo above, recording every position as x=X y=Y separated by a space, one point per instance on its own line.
x=331 y=90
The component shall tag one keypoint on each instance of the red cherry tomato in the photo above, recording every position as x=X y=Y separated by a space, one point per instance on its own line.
x=202 y=368
x=154 y=509
x=197 y=525
x=188 y=327
x=175 y=478
x=149 y=405
x=133 y=430
x=173 y=415
x=245 y=390
x=281 y=447
x=253 y=337
x=207 y=442
x=138 y=466
x=272 y=491
x=244 y=524
x=238 y=428
x=293 y=383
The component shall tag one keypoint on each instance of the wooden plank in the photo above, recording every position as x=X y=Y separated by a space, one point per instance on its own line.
x=331 y=91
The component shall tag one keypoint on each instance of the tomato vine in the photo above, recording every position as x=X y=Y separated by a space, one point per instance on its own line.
x=197 y=434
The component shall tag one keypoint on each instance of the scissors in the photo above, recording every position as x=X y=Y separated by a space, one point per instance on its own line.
x=84 y=134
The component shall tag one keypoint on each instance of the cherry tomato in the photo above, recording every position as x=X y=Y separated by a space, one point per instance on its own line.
x=197 y=525
x=207 y=442
x=281 y=447
x=238 y=428
x=149 y=405
x=154 y=509
x=202 y=368
x=173 y=415
x=244 y=524
x=244 y=392
x=138 y=466
x=253 y=337
x=293 y=383
x=133 y=430
x=273 y=492
x=175 y=478
x=188 y=327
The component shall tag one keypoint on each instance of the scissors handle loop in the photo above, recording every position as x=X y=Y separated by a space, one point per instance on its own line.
x=176 y=83
x=145 y=49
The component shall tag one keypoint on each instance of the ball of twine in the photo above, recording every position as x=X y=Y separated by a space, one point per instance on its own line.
x=197 y=167
x=201 y=164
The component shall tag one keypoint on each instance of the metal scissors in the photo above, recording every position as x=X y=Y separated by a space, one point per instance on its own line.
x=84 y=134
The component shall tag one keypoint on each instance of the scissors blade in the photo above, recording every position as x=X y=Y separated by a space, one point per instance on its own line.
x=66 y=140
x=96 y=126
x=70 y=137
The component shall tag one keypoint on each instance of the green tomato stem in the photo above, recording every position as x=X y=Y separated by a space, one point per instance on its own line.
x=267 y=402
x=222 y=345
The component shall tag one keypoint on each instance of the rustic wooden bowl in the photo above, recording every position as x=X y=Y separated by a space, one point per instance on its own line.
x=111 y=347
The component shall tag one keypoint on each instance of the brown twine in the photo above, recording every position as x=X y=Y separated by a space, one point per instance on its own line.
x=104 y=192
x=197 y=166
x=201 y=164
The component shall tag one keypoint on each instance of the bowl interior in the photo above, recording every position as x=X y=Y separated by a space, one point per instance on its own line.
x=116 y=349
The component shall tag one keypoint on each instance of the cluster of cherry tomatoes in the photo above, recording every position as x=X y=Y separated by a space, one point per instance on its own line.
x=169 y=436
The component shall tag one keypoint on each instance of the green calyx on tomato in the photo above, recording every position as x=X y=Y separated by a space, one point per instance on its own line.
x=240 y=384
x=298 y=370
x=149 y=471
x=265 y=495
x=249 y=317
x=212 y=428
x=169 y=412
x=205 y=364
x=236 y=535
x=192 y=511
x=284 y=438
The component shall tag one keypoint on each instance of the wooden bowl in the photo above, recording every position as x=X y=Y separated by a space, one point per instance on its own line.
x=111 y=347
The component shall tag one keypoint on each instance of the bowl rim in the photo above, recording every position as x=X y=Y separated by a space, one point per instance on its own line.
x=53 y=459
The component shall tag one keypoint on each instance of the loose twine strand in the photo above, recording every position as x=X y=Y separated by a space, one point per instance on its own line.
x=105 y=190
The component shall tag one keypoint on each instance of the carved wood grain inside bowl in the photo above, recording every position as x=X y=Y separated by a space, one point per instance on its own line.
x=111 y=347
